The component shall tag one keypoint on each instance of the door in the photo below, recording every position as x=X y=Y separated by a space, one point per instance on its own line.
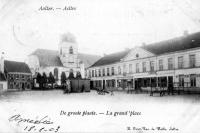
x=91 y=85
x=170 y=84
x=23 y=87
x=136 y=84
x=103 y=84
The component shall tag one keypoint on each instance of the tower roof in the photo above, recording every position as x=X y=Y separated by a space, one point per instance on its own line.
x=68 y=37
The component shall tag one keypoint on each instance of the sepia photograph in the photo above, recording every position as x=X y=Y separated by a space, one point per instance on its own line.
x=99 y=66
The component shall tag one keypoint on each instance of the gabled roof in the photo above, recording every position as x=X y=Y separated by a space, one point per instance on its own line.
x=13 y=66
x=176 y=44
x=111 y=58
x=172 y=45
x=51 y=58
x=48 y=57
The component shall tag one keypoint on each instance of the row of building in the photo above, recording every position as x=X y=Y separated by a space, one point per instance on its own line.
x=170 y=63
x=174 y=62
x=22 y=75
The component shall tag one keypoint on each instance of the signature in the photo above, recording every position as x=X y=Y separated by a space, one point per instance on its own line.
x=19 y=119
x=42 y=124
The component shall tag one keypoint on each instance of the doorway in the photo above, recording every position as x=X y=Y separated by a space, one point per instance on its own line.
x=23 y=87
x=91 y=85
x=170 y=85
x=103 y=84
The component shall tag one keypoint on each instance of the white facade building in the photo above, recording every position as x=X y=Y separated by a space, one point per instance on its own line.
x=171 y=63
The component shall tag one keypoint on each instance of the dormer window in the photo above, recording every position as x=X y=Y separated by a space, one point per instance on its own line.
x=71 y=50
x=137 y=55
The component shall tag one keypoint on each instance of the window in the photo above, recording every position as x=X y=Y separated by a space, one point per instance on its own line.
x=113 y=71
x=124 y=68
x=89 y=73
x=71 y=50
x=181 y=80
x=99 y=72
x=16 y=76
x=130 y=68
x=95 y=73
x=108 y=71
x=144 y=67
x=119 y=70
x=192 y=60
x=180 y=62
x=151 y=65
x=92 y=73
x=137 y=67
x=160 y=62
x=170 y=63
x=28 y=78
x=104 y=72
x=23 y=77
x=193 y=80
x=55 y=73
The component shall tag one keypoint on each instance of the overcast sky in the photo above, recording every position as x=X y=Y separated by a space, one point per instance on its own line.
x=100 y=26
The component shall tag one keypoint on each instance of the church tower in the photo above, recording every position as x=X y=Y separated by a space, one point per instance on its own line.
x=68 y=51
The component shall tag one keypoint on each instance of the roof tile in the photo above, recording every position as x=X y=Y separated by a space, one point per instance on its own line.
x=13 y=66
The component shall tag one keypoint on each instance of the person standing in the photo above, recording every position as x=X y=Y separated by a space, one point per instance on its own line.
x=68 y=86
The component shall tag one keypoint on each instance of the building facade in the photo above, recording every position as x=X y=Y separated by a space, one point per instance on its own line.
x=66 y=59
x=174 y=62
x=14 y=75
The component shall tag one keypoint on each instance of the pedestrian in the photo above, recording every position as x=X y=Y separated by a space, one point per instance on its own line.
x=68 y=86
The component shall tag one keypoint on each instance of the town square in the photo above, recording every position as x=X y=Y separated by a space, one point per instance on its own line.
x=99 y=66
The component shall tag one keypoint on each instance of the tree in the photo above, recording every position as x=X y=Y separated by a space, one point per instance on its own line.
x=71 y=75
x=51 y=79
x=78 y=75
x=63 y=78
x=44 y=79
x=39 y=80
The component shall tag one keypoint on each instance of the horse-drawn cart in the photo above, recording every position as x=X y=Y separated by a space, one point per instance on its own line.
x=101 y=91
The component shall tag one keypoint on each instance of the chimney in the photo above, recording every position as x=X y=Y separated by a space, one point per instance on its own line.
x=2 y=63
x=185 y=33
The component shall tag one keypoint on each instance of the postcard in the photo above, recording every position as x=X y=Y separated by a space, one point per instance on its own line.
x=99 y=66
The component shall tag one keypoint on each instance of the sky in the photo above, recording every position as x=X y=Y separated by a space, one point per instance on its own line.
x=100 y=26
